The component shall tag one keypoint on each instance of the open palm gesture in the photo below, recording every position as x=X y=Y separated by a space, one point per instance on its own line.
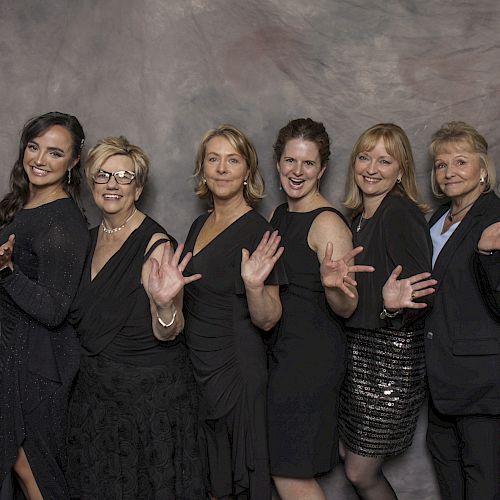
x=335 y=273
x=256 y=268
x=166 y=279
x=401 y=293
x=6 y=252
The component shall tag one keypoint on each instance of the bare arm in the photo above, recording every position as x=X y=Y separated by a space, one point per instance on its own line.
x=263 y=300
x=331 y=239
x=162 y=273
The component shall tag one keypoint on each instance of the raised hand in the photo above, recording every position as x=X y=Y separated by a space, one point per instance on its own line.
x=6 y=252
x=256 y=268
x=335 y=273
x=166 y=279
x=490 y=238
x=400 y=294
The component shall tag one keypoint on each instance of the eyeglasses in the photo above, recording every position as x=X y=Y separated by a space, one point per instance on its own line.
x=121 y=177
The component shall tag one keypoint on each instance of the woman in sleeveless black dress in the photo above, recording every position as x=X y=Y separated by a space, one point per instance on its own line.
x=308 y=353
x=41 y=265
x=132 y=421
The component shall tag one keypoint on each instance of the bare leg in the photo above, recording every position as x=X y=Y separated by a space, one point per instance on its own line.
x=290 y=488
x=365 y=474
x=25 y=477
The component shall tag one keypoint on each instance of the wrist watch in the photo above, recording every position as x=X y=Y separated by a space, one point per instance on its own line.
x=6 y=271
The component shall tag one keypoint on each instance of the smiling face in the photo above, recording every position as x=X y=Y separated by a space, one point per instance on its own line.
x=113 y=198
x=300 y=169
x=224 y=169
x=458 y=172
x=376 y=171
x=47 y=159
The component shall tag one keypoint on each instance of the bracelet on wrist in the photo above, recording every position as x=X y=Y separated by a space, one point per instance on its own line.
x=170 y=323
x=386 y=314
x=485 y=252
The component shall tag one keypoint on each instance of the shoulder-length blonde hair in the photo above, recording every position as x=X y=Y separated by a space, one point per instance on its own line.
x=112 y=146
x=253 y=191
x=398 y=146
x=462 y=133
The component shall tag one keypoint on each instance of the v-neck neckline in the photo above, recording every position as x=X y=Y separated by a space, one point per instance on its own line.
x=118 y=251
x=216 y=237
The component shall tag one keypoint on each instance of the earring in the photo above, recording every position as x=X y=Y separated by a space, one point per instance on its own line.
x=245 y=183
x=398 y=180
x=69 y=176
x=481 y=180
x=204 y=180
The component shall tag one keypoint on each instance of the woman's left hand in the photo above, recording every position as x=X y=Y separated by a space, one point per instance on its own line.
x=335 y=273
x=490 y=238
x=6 y=252
x=166 y=279
x=400 y=294
x=256 y=268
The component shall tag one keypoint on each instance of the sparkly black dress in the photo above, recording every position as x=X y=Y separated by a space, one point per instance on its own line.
x=132 y=432
x=384 y=383
x=229 y=360
x=308 y=360
x=39 y=350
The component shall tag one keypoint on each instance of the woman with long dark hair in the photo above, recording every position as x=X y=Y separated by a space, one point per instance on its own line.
x=44 y=239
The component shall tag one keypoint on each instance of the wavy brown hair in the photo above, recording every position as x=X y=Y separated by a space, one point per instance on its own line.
x=18 y=194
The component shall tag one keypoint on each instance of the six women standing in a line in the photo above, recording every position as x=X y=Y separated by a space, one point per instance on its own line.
x=233 y=295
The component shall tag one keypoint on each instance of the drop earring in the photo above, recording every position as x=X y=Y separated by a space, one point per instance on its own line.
x=69 y=176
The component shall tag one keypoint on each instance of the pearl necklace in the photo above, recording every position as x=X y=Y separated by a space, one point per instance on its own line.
x=119 y=228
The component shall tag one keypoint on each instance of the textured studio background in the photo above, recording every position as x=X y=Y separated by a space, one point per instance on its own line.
x=162 y=72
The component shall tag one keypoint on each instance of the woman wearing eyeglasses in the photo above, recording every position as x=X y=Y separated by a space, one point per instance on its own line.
x=132 y=426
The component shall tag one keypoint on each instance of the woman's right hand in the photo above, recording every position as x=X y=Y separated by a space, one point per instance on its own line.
x=400 y=294
x=6 y=252
x=490 y=238
x=166 y=279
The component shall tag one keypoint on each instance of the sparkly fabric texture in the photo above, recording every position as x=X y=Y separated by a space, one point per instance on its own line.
x=382 y=391
x=39 y=350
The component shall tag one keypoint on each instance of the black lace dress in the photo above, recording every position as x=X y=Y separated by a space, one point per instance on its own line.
x=39 y=350
x=132 y=420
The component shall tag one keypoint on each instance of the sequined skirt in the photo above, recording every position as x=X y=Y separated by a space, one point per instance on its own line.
x=383 y=390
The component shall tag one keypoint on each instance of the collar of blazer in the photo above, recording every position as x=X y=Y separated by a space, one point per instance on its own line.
x=451 y=246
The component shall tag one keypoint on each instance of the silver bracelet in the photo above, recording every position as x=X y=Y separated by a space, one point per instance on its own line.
x=386 y=314
x=162 y=323
x=485 y=252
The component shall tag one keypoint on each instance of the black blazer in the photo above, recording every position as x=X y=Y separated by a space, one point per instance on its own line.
x=462 y=330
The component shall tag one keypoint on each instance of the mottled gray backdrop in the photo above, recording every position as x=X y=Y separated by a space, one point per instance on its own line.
x=162 y=72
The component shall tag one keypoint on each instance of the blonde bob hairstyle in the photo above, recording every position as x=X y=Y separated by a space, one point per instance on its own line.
x=398 y=146
x=253 y=191
x=461 y=134
x=112 y=146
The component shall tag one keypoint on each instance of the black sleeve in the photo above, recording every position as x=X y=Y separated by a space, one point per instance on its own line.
x=408 y=244
x=487 y=273
x=61 y=255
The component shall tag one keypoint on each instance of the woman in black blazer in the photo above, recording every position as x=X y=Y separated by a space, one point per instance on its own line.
x=462 y=329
